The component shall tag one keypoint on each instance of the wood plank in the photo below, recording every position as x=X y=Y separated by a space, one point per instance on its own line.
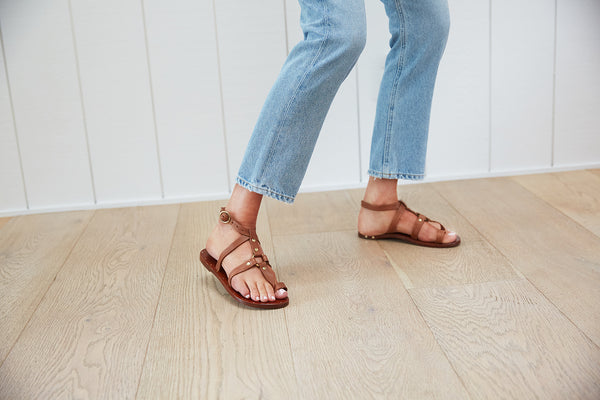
x=4 y=221
x=115 y=90
x=313 y=212
x=88 y=337
x=522 y=93
x=506 y=340
x=576 y=138
x=183 y=60
x=556 y=254
x=204 y=345
x=594 y=171
x=42 y=70
x=575 y=193
x=475 y=260
x=33 y=249
x=354 y=331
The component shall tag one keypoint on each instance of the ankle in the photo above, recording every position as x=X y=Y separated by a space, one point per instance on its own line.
x=381 y=191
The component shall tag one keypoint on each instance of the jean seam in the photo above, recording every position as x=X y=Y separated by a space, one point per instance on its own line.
x=264 y=190
x=297 y=90
x=394 y=91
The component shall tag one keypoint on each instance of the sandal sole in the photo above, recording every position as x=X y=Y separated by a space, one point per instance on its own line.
x=402 y=237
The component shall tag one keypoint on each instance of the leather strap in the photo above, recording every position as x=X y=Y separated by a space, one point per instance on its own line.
x=259 y=258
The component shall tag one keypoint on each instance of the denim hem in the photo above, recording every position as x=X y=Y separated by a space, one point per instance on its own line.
x=264 y=191
x=382 y=175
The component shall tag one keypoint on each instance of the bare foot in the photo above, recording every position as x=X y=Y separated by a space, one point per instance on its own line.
x=243 y=207
x=378 y=222
x=371 y=223
x=251 y=283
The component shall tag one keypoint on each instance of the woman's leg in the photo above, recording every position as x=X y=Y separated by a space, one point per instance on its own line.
x=419 y=30
x=287 y=129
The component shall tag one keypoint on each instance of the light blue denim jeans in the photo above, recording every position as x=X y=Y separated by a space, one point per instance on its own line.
x=284 y=137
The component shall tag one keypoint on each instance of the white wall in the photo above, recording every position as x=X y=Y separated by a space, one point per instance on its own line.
x=124 y=102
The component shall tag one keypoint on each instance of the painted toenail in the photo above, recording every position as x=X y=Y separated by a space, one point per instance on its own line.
x=272 y=297
x=247 y=296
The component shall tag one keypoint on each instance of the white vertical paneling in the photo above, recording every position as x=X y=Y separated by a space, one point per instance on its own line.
x=522 y=49
x=335 y=160
x=185 y=82
x=117 y=99
x=41 y=67
x=252 y=48
x=577 y=110
x=12 y=197
x=460 y=117
x=370 y=71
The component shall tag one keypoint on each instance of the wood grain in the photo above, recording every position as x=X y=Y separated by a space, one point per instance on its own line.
x=4 y=221
x=594 y=171
x=506 y=340
x=312 y=213
x=475 y=260
x=33 y=249
x=555 y=253
x=203 y=344
x=575 y=193
x=88 y=337
x=354 y=331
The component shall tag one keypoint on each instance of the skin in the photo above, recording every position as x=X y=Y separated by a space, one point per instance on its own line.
x=243 y=205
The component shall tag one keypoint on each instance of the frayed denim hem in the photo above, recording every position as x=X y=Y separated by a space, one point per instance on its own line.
x=264 y=191
x=410 y=177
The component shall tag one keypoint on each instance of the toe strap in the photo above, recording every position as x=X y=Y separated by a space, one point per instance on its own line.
x=421 y=220
x=263 y=266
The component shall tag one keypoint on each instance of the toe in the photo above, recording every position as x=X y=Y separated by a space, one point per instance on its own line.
x=449 y=237
x=270 y=292
x=254 y=292
x=241 y=287
x=264 y=296
x=281 y=294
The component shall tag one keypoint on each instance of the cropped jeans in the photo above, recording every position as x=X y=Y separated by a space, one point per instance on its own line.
x=285 y=134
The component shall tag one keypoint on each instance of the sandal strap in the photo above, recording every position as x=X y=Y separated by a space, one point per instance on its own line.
x=400 y=208
x=385 y=207
x=247 y=235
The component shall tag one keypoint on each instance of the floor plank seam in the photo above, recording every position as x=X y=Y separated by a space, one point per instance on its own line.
x=160 y=295
x=48 y=288
x=553 y=207
x=516 y=269
x=488 y=240
x=460 y=379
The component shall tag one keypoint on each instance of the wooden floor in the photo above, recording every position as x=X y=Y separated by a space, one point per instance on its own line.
x=114 y=303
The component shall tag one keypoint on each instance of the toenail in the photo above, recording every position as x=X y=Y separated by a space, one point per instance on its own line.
x=272 y=297
x=247 y=296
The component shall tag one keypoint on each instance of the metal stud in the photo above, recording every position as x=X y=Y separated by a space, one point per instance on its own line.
x=372 y=237
x=248 y=263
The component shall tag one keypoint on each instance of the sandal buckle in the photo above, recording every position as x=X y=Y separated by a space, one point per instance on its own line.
x=224 y=217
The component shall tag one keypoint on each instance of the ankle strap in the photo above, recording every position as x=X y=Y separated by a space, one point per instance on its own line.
x=385 y=207
x=226 y=218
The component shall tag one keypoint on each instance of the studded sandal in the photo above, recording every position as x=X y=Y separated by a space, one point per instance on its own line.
x=413 y=238
x=259 y=260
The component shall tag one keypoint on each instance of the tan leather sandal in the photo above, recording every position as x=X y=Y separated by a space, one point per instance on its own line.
x=259 y=260
x=413 y=238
